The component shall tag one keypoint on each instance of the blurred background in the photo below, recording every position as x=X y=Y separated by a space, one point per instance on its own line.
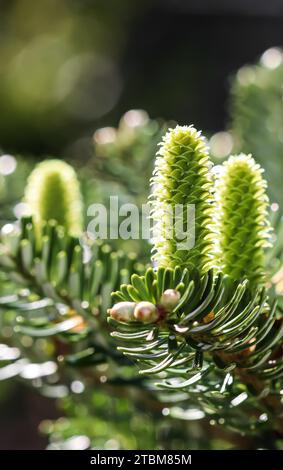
x=71 y=67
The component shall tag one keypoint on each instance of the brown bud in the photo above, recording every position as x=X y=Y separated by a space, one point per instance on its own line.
x=170 y=299
x=146 y=312
x=209 y=317
x=123 y=311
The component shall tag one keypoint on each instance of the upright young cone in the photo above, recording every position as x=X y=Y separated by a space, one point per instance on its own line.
x=241 y=218
x=182 y=201
x=53 y=192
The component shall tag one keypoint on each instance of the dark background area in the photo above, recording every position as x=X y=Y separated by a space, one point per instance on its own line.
x=21 y=414
x=172 y=58
x=182 y=65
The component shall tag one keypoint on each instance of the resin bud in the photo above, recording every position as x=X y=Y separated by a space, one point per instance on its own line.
x=170 y=299
x=123 y=311
x=146 y=312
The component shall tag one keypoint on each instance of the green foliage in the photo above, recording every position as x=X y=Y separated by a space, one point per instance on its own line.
x=53 y=192
x=181 y=176
x=207 y=342
x=214 y=318
x=218 y=348
x=218 y=340
x=62 y=286
x=257 y=119
x=241 y=213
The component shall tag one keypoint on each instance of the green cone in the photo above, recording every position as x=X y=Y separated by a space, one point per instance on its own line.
x=241 y=219
x=53 y=192
x=182 y=177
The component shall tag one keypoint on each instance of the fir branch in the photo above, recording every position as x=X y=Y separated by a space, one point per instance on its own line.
x=57 y=272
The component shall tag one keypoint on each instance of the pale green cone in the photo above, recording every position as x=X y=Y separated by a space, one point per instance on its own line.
x=241 y=219
x=53 y=192
x=182 y=176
